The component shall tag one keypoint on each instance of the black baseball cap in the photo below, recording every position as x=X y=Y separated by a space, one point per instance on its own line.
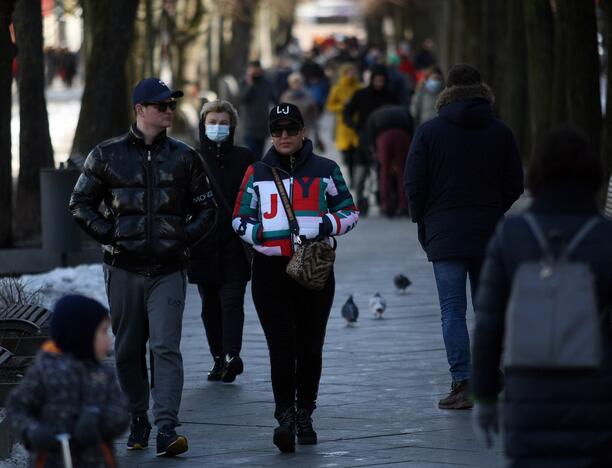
x=286 y=111
x=153 y=90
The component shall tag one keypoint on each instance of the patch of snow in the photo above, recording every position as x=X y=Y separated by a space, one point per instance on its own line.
x=19 y=458
x=87 y=280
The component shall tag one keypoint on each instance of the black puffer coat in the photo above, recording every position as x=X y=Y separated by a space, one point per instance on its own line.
x=220 y=258
x=553 y=418
x=53 y=393
x=463 y=173
x=157 y=198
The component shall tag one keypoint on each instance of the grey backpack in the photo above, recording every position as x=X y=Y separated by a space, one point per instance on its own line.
x=552 y=321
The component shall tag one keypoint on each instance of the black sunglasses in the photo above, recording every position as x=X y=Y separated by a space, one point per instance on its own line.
x=161 y=106
x=292 y=130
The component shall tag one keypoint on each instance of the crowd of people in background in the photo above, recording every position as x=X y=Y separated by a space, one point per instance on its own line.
x=377 y=99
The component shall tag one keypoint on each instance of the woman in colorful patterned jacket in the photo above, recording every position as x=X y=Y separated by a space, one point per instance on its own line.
x=293 y=318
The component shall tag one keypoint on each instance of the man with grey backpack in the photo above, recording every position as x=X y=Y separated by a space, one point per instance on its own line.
x=544 y=298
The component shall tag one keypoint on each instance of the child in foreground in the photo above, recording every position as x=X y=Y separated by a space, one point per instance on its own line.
x=68 y=390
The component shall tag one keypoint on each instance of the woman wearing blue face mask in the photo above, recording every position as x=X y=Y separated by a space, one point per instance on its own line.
x=219 y=264
x=423 y=106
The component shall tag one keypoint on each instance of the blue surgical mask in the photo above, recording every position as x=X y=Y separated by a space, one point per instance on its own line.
x=217 y=132
x=433 y=85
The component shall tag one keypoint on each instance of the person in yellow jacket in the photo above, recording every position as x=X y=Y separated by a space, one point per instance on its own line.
x=347 y=140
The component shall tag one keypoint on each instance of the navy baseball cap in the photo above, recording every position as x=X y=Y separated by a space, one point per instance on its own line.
x=153 y=90
x=286 y=110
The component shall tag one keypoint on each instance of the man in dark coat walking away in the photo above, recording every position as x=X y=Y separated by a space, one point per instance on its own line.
x=462 y=174
x=158 y=204
x=219 y=264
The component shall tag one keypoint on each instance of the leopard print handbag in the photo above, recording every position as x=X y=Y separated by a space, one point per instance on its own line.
x=312 y=263
x=313 y=259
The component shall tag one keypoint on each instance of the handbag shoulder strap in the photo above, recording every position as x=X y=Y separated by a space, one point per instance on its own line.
x=293 y=224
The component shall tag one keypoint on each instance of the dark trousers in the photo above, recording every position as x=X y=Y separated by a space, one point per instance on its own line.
x=348 y=158
x=223 y=316
x=294 y=320
x=148 y=308
x=392 y=149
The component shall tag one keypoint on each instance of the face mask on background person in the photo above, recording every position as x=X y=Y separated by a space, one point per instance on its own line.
x=217 y=132
x=432 y=85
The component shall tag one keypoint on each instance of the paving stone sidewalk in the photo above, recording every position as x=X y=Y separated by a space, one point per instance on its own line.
x=380 y=386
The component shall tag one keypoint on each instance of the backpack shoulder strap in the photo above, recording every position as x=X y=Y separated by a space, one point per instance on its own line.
x=539 y=236
x=580 y=236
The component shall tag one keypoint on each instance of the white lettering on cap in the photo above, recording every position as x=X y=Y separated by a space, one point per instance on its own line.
x=279 y=110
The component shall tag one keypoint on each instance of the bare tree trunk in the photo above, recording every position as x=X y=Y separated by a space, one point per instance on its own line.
x=35 y=150
x=560 y=24
x=7 y=53
x=237 y=52
x=512 y=91
x=581 y=67
x=456 y=44
x=105 y=74
x=493 y=34
x=539 y=34
x=606 y=149
x=471 y=13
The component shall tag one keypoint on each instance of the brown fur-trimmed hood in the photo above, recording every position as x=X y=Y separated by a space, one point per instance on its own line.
x=462 y=93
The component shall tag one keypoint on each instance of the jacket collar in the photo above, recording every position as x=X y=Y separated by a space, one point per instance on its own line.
x=274 y=159
x=137 y=137
x=463 y=93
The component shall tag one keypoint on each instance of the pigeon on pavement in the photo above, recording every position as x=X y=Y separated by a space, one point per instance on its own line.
x=401 y=283
x=350 y=312
x=378 y=305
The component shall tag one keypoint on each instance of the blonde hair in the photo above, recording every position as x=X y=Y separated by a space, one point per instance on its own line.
x=220 y=106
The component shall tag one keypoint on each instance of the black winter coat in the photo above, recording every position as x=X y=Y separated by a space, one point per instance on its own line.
x=387 y=118
x=463 y=173
x=363 y=103
x=553 y=418
x=220 y=258
x=158 y=202
x=54 y=391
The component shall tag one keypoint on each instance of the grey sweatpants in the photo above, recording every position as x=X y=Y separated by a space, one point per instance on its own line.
x=148 y=308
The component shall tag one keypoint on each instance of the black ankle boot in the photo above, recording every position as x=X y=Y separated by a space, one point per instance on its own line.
x=284 y=434
x=306 y=435
x=216 y=370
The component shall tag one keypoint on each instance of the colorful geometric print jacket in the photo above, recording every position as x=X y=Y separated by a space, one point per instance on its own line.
x=319 y=196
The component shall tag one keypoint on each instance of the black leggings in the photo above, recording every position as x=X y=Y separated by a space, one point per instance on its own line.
x=294 y=320
x=223 y=316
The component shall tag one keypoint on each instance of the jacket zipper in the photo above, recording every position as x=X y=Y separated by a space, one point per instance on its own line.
x=149 y=183
x=292 y=161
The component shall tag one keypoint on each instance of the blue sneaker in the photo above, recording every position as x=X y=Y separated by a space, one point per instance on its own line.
x=139 y=433
x=169 y=443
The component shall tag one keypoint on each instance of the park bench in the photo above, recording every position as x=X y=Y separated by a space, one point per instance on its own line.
x=23 y=328
x=12 y=369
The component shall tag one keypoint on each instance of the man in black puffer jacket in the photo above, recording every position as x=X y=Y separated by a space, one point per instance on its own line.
x=462 y=174
x=158 y=204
